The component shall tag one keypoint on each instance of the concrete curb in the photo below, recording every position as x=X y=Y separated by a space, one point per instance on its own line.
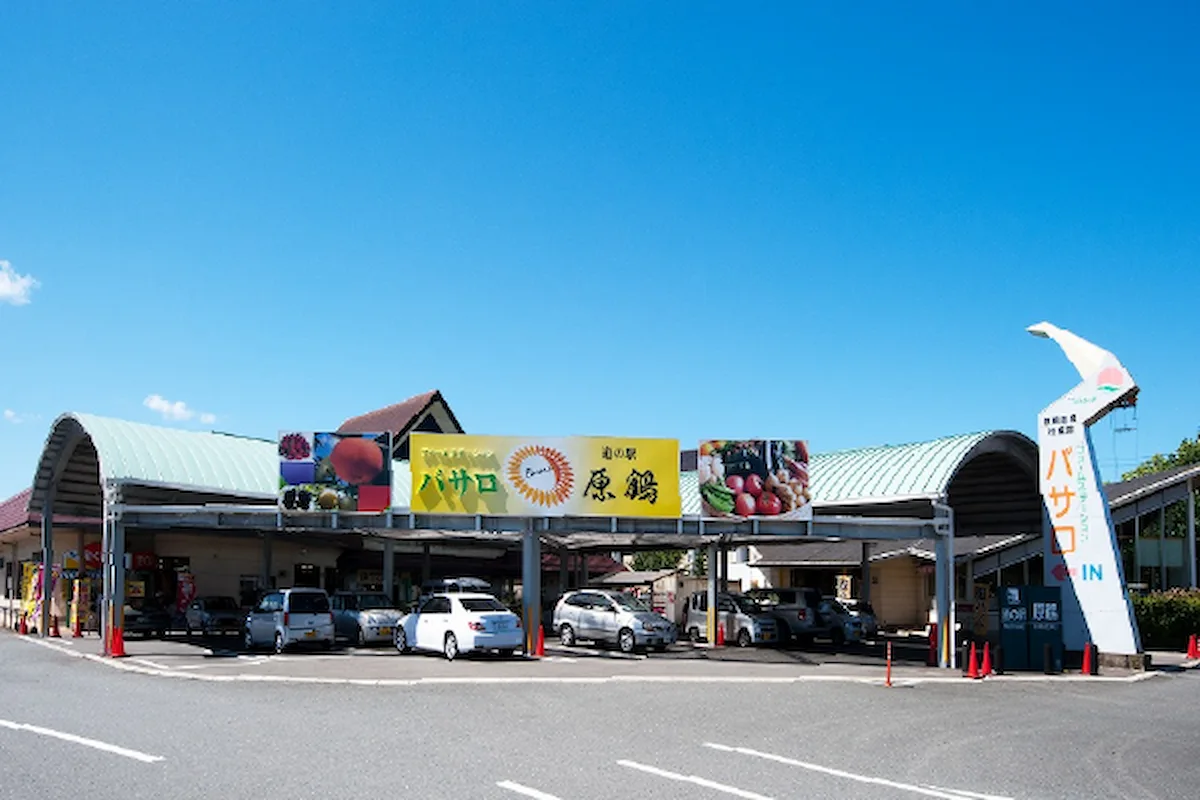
x=126 y=666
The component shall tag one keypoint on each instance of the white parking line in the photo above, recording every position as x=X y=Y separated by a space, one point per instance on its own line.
x=525 y=790
x=705 y=782
x=946 y=794
x=965 y=793
x=149 y=663
x=137 y=755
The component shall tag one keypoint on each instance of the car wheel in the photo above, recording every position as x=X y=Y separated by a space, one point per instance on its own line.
x=743 y=638
x=625 y=640
x=280 y=645
x=187 y=629
x=361 y=637
x=248 y=640
x=400 y=639
x=450 y=647
x=507 y=652
x=566 y=635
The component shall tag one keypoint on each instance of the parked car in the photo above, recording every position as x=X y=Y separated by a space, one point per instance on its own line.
x=796 y=609
x=364 y=617
x=458 y=623
x=841 y=624
x=865 y=614
x=147 y=618
x=607 y=616
x=451 y=585
x=211 y=615
x=288 y=617
x=745 y=622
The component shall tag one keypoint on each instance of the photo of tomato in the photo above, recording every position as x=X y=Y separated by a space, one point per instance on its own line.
x=743 y=479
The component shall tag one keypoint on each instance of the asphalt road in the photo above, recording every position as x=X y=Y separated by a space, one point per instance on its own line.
x=691 y=739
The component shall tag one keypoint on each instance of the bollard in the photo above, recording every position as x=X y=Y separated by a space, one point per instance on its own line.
x=541 y=642
x=998 y=660
x=23 y=626
x=888 y=681
x=54 y=633
x=1193 y=649
x=932 y=659
x=964 y=657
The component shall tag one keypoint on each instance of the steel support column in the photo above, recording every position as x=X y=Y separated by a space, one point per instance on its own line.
x=47 y=563
x=389 y=568
x=864 y=592
x=1162 y=546
x=104 y=607
x=531 y=585
x=267 y=568
x=1191 y=532
x=945 y=585
x=711 y=633
x=117 y=600
x=426 y=566
x=564 y=570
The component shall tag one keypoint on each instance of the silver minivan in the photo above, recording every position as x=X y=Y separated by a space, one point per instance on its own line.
x=288 y=617
x=745 y=622
x=608 y=616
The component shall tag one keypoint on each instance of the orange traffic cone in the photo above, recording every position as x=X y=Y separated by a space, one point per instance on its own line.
x=54 y=633
x=986 y=668
x=541 y=642
x=973 y=662
x=117 y=650
x=77 y=629
x=1193 y=650
x=1086 y=669
x=720 y=634
x=23 y=628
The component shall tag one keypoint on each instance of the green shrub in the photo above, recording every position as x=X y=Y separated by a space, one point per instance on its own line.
x=1166 y=619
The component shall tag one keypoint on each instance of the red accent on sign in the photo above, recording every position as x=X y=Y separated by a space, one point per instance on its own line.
x=1061 y=573
x=143 y=561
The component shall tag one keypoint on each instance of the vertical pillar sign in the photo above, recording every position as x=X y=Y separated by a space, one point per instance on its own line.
x=1080 y=546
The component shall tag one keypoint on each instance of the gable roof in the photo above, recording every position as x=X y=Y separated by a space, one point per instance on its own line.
x=1124 y=492
x=399 y=418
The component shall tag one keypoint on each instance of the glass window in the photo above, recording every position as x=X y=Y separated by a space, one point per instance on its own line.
x=308 y=603
x=481 y=604
x=437 y=605
x=368 y=602
x=631 y=603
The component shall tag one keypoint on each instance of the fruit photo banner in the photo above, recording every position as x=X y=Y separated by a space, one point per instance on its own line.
x=759 y=478
x=335 y=471
x=544 y=477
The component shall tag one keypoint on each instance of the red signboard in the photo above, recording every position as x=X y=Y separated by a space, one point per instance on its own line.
x=143 y=561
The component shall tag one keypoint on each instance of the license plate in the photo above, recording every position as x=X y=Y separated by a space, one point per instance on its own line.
x=768 y=637
x=385 y=631
x=310 y=635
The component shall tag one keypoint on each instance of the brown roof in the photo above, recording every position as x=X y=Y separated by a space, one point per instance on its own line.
x=396 y=419
x=14 y=513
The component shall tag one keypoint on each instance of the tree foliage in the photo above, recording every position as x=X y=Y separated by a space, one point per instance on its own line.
x=653 y=560
x=1188 y=452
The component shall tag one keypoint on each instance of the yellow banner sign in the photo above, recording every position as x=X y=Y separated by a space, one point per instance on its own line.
x=542 y=477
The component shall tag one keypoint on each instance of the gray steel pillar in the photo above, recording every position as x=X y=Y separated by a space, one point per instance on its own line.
x=564 y=573
x=942 y=554
x=864 y=591
x=118 y=587
x=13 y=594
x=104 y=607
x=711 y=633
x=1162 y=546
x=267 y=567
x=724 y=584
x=389 y=568
x=583 y=569
x=531 y=585
x=1191 y=532
x=426 y=564
x=47 y=563
x=81 y=613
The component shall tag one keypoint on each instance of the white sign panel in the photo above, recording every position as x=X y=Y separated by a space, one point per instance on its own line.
x=1081 y=552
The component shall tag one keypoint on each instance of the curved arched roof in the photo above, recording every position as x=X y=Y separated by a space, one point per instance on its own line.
x=922 y=469
x=87 y=451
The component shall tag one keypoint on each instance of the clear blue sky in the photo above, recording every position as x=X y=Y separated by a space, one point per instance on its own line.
x=659 y=219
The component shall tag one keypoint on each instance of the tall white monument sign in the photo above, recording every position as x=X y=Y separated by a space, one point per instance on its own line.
x=1081 y=552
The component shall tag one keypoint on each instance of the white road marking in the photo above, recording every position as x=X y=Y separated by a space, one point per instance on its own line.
x=945 y=794
x=149 y=663
x=965 y=793
x=705 y=782
x=525 y=790
x=137 y=755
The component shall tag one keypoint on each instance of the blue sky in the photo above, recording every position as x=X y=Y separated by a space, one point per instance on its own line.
x=799 y=220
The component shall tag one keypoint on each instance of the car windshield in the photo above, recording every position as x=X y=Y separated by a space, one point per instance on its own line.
x=630 y=603
x=482 y=604
x=747 y=605
x=369 y=601
x=221 y=604
x=308 y=603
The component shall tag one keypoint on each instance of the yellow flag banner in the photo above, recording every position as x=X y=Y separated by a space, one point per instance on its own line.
x=544 y=477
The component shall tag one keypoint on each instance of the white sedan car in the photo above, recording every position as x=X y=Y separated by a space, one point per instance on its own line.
x=460 y=623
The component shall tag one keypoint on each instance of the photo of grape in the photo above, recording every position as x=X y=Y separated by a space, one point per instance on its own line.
x=294 y=447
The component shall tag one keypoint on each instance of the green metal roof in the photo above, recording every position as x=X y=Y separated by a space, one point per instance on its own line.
x=132 y=451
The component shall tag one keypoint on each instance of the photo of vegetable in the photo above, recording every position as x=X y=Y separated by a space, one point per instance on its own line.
x=335 y=472
x=746 y=479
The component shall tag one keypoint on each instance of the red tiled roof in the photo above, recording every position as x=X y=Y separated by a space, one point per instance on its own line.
x=597 y=563
x=14 y=512
x=395 y=418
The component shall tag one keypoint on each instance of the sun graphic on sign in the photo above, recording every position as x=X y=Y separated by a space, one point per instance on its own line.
x=541 y=474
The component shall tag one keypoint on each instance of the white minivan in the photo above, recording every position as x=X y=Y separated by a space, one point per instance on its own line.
x=288 y=617
x=744 y=621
